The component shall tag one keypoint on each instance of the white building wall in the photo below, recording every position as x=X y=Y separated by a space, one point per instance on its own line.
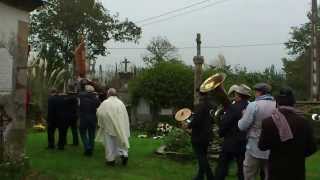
x=9 y=18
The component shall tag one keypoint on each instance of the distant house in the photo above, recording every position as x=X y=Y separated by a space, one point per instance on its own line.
x=14 y=31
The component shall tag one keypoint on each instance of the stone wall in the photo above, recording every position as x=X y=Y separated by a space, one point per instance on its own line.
x=13 y=35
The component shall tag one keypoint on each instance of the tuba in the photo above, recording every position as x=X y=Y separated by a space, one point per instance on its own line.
x=214 y=87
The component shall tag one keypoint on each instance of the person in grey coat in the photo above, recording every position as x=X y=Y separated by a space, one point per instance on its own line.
x=255 y=159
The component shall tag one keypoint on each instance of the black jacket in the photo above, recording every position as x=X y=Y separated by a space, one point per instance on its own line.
x=201 y=124
x=52 y=116
x=89 y=103
x=70 y=106
x=287 y=159
x=234 y=139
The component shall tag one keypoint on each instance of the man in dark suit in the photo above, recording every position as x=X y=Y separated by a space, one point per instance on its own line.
x=71 y=115
x=201 y=136
x=52 y=118
x=234 y=144
x=289 y=137
x=62 y=122
x=89 y=103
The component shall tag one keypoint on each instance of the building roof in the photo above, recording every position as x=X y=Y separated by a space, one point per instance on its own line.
x=26 y=5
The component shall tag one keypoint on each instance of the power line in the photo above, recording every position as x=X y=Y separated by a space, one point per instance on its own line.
x=187 y=12
x=212 y=47
x=173 y=11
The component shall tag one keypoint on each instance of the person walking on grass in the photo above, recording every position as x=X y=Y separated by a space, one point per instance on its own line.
x=234 y=142
x=255 y=159
x=289 y=137
x=52 y=117
x=114 y=128
x=88 y=120
x=201 y=136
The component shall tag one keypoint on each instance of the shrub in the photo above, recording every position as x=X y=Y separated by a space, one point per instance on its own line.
x=178 y=141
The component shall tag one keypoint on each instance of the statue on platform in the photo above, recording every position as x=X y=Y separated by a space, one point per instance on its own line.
x=80 y=59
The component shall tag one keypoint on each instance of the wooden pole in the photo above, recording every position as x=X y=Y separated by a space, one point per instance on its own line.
x=314 y=89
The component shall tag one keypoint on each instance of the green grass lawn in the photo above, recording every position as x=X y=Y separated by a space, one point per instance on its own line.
x=70 y=164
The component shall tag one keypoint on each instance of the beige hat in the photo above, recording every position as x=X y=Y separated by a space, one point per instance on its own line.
x=243 y=89
x=89 y=88
x=232 y=89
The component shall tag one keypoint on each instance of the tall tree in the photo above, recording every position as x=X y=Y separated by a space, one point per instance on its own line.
x=56 y=29
x=300 y=40
x=297 y=66
x=160 y=49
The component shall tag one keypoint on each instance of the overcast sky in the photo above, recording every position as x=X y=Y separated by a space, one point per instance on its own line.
x=232 y=22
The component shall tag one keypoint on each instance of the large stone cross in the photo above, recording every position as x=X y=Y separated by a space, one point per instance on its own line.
x=198 y=44
x=198 y=62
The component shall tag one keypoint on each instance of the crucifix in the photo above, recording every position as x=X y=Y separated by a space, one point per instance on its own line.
x=125 y=62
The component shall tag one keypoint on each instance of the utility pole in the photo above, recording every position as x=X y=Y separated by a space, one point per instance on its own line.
x=198 y=62
x=314 y=89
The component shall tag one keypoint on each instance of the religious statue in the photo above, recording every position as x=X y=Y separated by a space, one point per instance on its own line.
x=80 y=59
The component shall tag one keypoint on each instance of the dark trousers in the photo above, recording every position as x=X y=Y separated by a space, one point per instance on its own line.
x=87 y=133
x=62 y=136
x=225 y=159
x=201 y=152
x=74 y=130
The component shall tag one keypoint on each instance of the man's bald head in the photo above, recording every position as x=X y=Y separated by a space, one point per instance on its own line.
x=112 y=92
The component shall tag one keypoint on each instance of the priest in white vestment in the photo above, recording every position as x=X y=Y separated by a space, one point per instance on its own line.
x=114 y=128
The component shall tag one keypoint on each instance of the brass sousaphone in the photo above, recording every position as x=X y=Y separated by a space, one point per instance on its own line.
x=214 y=87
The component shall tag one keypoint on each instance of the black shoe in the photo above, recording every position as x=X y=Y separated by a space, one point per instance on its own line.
x=124 y=160
x=50 y=147
x=111 y=163
x=88 y=153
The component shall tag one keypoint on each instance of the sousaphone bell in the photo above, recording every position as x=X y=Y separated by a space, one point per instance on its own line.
x=184 y=115
x=214 y=86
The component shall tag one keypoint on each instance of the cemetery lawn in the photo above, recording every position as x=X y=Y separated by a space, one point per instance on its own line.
x=70 y=164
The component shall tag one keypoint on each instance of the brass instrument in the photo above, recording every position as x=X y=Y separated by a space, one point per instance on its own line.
x=184 y=114
x=315 y=117
x=214 y=86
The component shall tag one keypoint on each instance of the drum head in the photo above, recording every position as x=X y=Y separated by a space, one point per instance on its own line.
x=183 y=114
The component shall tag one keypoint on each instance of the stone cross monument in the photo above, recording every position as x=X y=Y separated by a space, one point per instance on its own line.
x=198 y=62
